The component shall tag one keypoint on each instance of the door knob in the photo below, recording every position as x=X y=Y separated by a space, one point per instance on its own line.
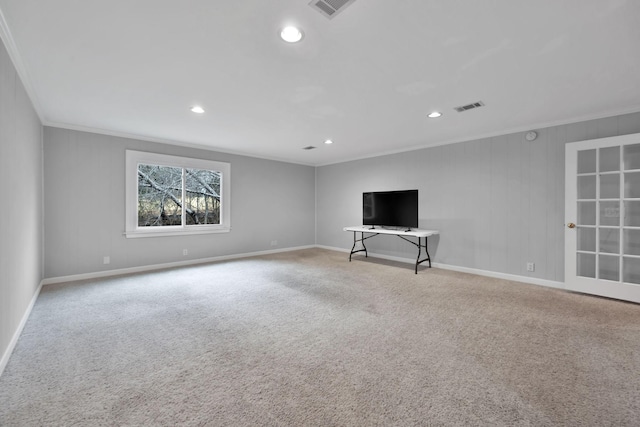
x=571 y=225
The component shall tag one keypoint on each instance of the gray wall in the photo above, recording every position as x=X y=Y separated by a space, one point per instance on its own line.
x=21 y=195
x=85 y=211
x=498 y=202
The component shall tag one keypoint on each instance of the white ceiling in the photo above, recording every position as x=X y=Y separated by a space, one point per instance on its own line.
x=365 y=79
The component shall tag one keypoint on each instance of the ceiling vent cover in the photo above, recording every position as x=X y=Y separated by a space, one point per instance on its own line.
x=310 y=147
x=469 y=106
x=330 y=8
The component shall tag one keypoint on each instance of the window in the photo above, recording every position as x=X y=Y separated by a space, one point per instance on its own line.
x=169 y=195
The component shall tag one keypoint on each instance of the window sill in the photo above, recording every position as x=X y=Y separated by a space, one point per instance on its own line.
x=135 y=234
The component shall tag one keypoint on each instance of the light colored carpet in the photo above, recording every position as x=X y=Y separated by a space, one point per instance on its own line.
x=306 y=338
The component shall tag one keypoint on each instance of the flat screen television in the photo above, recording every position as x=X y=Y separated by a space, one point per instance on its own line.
x=390 y=208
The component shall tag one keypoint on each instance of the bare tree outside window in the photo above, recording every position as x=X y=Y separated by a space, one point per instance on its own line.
x=202 y=193
x=160 y=196
x=170 y=195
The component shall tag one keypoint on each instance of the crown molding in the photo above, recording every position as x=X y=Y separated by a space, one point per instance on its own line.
x=177 y=143
x=18 y=64
x=535 y=126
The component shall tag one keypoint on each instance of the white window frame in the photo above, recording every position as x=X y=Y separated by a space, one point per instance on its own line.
x=135 y=158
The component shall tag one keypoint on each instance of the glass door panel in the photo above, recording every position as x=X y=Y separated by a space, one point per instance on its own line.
x=586 y=213
x=609 y=240
x=631 y=270
x=587 y=187
x=610 y=186
x=587 y=161
x=632 y=185
x=586 y=265
x=610 y=159
x=603 y=217
x=631 y=157
x=631 y=239
x=631 y=236
x=610 y=213
x=586 y=239
x=609 y=267
x=632 y=214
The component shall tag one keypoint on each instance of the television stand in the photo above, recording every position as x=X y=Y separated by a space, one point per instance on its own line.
x=372 y=232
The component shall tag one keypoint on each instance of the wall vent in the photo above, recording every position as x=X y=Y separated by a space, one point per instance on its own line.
x=469 y=106
x=330 y=8
x=310 y=147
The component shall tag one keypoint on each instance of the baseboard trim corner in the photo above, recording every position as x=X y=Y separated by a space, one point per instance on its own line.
x=332 y=248
x=4 y=361
x=479 y=272
x=152 y=267
x=505 y=276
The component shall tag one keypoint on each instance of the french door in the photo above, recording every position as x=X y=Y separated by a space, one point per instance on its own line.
x=602 y=217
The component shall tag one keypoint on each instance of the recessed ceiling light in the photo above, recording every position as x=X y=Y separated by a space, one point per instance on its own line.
x=434 y=115
x=291 y=34
x=328 y=141
x=197 y=109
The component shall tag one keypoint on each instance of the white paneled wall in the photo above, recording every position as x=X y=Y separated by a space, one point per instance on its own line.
x=21 y=195
x=84 y=200
x=498 y=202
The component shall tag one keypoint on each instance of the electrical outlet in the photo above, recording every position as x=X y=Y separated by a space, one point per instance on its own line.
x=531 y=266
x=185 y=252
x=274 y=243
x=106 y=260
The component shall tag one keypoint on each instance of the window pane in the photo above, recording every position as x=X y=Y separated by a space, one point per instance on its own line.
x=609 y=268
x=587 y=161
x=631 y=240
x=632 y=156
x=631 y=270
x=160 y=201
x=587 y=239
x=586 y=265
x=586 y=213
x=610 y=186
x=609 y=213
x=202 y=191
x=632 y=185
x=610 y=159
x=632 y=214
x=159 y=196
x=587 y=187
x=609 y=240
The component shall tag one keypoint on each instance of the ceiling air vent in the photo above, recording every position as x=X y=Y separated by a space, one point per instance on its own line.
x=469 y=106
x=310 y=147
x=330 y=8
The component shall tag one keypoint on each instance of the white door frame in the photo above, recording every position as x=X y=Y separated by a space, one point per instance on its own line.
x=573 y=282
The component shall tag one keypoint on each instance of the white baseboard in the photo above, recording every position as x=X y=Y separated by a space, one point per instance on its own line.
x=331 y=248
x=479 y=272
x=142 y=269
x=14 y=340
x=505 y=276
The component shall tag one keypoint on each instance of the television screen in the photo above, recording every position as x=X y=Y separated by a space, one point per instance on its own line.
x=390 y=208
